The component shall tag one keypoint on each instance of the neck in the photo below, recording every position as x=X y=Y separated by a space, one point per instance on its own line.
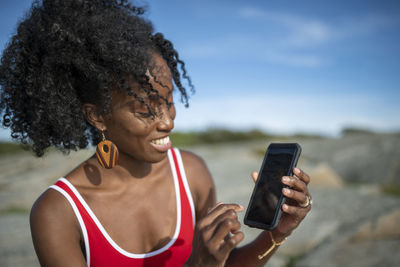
x=133 y=168
x=129 y=168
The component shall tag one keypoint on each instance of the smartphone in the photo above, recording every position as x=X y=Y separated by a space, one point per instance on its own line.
x=265 y=206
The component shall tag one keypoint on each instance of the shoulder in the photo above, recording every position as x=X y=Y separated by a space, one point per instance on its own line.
x=51 y=206
x=53 y=224
x=200 y=182
x=195 y=168
x=193 y=161
x=50 y=200
x=54 y=203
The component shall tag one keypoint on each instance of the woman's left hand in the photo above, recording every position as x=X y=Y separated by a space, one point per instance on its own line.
x=297 y=203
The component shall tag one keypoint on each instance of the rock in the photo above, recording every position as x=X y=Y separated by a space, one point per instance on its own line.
x=347 y=226
x=350 y=244
x=348 y=254
x=359 y=158
x=385 y=227
x=323 y=175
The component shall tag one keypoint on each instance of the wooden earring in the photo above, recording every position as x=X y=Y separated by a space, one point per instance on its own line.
x=107 y=153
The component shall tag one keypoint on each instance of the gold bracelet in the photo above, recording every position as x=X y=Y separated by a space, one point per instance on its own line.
x=274 y=245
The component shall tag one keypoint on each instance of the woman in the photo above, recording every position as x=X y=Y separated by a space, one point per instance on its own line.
x=93 y=71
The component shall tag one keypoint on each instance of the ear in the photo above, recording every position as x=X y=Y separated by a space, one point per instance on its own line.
x=93 y=116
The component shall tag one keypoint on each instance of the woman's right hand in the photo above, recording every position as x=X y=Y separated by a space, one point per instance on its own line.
x=215 y=236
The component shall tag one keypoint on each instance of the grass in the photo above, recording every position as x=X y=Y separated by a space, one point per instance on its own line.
x=14 y=209
x=259 y=152
x=184 y=139
x=391 y=189
x=215 y=135
x=212 y=136
x=7 y=148
x=357 y=131
x=365 y=131
x=294 y=259
x=3 y=187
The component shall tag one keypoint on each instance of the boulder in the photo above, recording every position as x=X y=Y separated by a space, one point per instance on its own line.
x=323 y=175
x=384 y=227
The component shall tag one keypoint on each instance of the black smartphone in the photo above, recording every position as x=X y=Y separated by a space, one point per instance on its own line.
x=265 y=206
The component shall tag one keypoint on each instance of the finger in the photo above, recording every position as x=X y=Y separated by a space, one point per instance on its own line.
x=231 y=243
x=302 y=175
x=209 y=230
x=295 y=183
x=213 y=208
x=297 y=212
x=254 y=175
x=224 y=228
x=218 y=210
x=300 y=197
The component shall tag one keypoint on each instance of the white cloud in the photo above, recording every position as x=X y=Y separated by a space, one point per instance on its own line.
x=363 y=25
x=287 y=113
x=255 y=48
x=300 y=60
x=307 y=31
x=283 y=49
x=300 y=41
x=301 y=31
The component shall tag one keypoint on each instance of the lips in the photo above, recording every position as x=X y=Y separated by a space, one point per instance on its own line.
x=161 y=144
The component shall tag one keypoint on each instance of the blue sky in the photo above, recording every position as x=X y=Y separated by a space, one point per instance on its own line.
x=281 y=66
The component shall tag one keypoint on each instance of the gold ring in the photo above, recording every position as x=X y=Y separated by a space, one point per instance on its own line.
x=307 y=203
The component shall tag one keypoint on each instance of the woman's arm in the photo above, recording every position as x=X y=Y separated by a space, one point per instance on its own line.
x=292 y=216
x=217 y=227
x=55 y=231
x=217 y=230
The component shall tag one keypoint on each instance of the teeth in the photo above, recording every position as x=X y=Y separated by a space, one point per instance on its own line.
x=161 y=141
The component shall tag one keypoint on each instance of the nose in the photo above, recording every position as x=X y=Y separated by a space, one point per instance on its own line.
x=166 y=120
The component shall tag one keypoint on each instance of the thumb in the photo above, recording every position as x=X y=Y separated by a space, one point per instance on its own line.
x=254 y=175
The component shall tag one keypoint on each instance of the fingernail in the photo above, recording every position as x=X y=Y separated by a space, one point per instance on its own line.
x=285 y=179
x=297 y=170
x=284 y=206
x=286 y=191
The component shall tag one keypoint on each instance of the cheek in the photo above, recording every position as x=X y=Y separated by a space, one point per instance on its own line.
x=137 y=127
x=130 y=127
x=172 y=112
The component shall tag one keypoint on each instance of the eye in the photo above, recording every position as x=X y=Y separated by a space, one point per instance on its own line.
x=170 y=104
x=145 y=114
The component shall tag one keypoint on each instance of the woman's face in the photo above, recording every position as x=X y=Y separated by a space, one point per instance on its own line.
x=130 y=126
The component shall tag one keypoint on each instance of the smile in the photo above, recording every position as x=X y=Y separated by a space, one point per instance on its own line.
x=161 y=141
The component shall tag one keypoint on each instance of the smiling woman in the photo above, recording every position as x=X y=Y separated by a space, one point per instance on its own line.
x=140 y=129
x=59 y=54
x=83 y=71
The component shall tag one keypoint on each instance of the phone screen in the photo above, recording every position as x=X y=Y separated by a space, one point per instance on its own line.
x=278 y=162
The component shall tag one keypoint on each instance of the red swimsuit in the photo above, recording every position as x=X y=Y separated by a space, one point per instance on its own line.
x=101 y=250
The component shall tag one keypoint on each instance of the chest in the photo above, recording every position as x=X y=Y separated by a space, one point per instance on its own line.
x=139 y=220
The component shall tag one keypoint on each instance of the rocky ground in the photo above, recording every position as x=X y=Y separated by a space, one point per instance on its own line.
x=352 y=222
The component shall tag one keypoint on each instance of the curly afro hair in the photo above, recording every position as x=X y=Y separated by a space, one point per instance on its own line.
x=70 y=52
